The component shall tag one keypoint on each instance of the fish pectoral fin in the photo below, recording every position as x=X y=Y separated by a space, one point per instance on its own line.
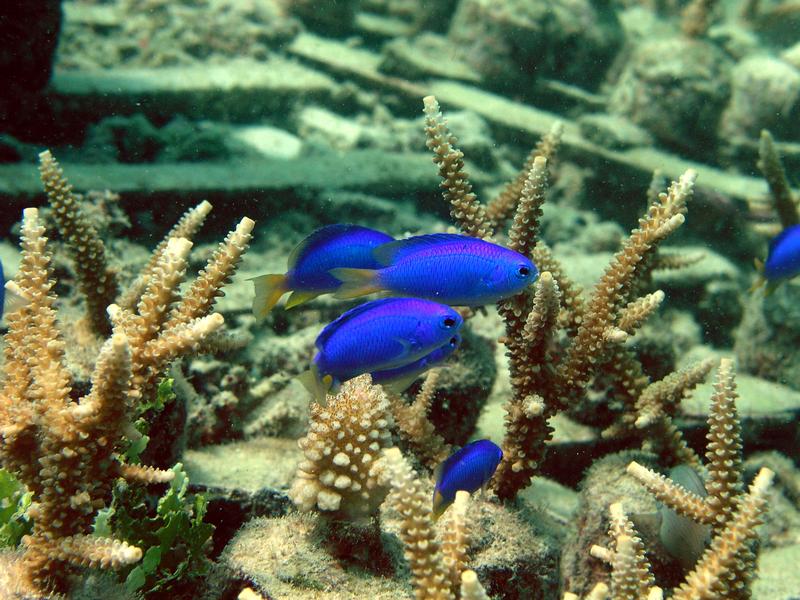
x=15 y=298
x=355 y=282
x=297 y=298
x=268 y=290
x=439 y=505
x=400 y=384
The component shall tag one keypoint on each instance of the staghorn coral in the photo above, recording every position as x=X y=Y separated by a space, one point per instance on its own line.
x=65 y=451
x=552 y=373
x=415 y=427
x=435 y=564
x=66 y=448
x=345 y=438
x=465 y=208
x=97 y=282
x=783 y=200
x=727 y=567
x=722 y=572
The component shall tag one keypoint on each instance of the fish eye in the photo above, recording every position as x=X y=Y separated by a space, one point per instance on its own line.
x=523 y=271
x=449 y=322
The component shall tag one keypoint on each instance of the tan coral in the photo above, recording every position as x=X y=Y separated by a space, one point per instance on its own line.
x=97 y=282
x=186 y=227
x=723 y=571
x=63 y=450
x=415 y=427
x=502 y=207
x=409 y=498
x=344 y=439
x=465 y=208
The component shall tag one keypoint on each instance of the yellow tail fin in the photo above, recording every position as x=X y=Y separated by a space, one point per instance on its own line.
x=269 y=289
x=298 y=298
x=355 y=282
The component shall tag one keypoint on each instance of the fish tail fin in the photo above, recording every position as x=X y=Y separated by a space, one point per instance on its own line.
x=355 y=282
x=14 y=298
x=316 y=385
x=297 y=298
x=269 y=289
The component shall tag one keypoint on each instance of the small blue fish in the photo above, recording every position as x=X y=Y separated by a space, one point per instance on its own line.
x=340 y=245
x=453 y=269
x=399 y=378
x=376 y=336
x=469 y=469
x=783 y=259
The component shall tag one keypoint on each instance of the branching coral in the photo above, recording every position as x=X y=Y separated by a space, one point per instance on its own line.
x=436 y=564
x=720 y=574
x=549 y=376
x=65 y=451
x=97 y=282
x=727 y=566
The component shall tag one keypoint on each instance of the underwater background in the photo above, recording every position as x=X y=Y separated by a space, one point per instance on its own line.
x=644 y=155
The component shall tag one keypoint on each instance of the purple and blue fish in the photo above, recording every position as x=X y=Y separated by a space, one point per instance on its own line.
x=453 y=269
x=340 y=245
x=783 y=259
x=468 y=469
x=376 y=336
x=399 y=378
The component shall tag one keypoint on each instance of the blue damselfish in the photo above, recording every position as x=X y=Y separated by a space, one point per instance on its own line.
x=783 y=260
x=453 y=269
x=340 y=245
x=468 y=469
x=400 y=378
x=378 y=335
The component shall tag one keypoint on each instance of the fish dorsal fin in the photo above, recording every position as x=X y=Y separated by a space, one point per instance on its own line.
x=388 y=253
x=317 y=238
x=331 y=327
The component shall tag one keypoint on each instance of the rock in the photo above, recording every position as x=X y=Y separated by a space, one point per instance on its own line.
x=288 y=557
x=765 y=94
x=766 y=339
x=322 y=125
x=676 y=89
x=613 y=131
x=270 y=141
x=464 y=385
x=778 y=575
x=241 y=481
x=427 y=55
x=333 y=18
x=510 y=43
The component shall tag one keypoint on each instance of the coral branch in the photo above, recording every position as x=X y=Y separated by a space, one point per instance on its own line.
x=97 y=282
